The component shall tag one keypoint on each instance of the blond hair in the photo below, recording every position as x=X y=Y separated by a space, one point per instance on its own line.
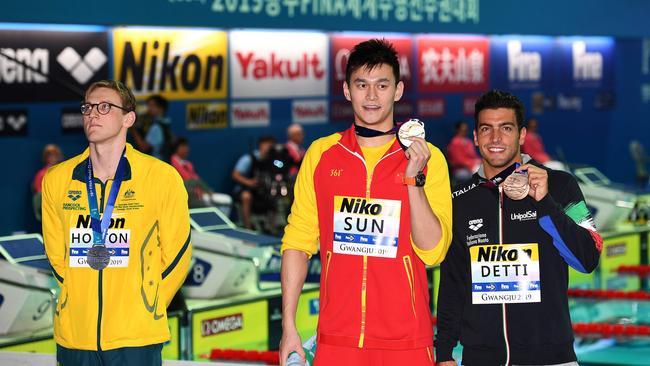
x=128 y=100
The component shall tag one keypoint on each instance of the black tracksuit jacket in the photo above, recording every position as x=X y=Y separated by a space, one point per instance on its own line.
x=537 y=333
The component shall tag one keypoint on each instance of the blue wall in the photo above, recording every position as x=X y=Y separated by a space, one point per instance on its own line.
x=623 y=18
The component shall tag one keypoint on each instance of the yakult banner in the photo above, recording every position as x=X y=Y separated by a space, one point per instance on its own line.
x=452 y=64
x=342 y=45
x=176 y=63
x=250 y=114
x=522 y=62
x=278 y=64
x=586 y=63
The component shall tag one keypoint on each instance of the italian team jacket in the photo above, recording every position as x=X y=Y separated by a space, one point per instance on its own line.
x=533 y=333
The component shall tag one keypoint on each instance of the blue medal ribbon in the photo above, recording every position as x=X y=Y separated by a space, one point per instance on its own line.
x=100 y=225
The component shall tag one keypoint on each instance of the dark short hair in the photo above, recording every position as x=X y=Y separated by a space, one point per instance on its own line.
x=126 y=95
x=458 y=124
x=266 y=138
x=495 y=99
x=370 y=54
x=159 y=100
x=179 y=142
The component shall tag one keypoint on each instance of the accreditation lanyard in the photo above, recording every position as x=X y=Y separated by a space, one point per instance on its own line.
x=100 y=225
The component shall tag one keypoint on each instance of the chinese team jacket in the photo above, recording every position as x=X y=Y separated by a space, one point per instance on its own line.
x=366 y=301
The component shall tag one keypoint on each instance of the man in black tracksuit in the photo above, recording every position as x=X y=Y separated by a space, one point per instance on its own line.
x=503 y=287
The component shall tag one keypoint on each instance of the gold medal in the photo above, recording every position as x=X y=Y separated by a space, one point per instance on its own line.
x=411 y=128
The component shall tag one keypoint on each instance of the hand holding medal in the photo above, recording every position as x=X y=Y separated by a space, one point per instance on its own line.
x=526 y=180
x=410 y=135
x=537 y=180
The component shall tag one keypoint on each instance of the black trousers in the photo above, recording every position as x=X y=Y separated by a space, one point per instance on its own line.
x=127 y=356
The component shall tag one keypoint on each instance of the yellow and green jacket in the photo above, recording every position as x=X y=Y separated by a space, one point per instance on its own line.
x=125 y=304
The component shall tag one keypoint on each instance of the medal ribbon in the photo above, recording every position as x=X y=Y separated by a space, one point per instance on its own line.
x=100 y=226
x=501 y=177
x=369 y=132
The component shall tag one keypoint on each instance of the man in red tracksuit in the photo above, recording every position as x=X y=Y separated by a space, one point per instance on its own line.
x=378 y=214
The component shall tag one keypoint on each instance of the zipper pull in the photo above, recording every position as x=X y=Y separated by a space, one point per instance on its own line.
x=501 y=197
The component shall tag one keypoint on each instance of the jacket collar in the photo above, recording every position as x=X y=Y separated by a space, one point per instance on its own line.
x=79 y=172
x=480 y=174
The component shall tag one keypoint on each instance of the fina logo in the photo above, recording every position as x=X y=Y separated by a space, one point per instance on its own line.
x=475 y=224
x=523 y=66
x=587 y=66
x=81 y=69
x=528 y=215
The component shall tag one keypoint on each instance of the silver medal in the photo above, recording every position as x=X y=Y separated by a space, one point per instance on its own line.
x=98 y=257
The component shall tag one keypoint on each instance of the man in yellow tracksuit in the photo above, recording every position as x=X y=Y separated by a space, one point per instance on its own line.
x=117 y=234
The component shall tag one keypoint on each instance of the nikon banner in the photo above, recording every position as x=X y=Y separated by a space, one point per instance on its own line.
x=206 y=115
x=176 y=63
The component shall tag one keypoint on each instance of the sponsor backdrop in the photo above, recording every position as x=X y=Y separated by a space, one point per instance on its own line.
x=177 y=64
x=45 y=66
x=227 y=88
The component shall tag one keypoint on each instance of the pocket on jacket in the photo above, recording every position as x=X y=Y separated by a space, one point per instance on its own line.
x=328 y=260
x=408 y=269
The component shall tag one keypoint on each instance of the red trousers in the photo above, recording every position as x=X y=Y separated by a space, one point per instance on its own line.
x=327 y=355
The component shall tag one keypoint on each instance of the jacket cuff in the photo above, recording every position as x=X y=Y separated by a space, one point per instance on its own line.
x=547 y=206
x=443 y=352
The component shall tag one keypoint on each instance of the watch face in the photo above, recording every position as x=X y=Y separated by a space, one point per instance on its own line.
x=420 y=179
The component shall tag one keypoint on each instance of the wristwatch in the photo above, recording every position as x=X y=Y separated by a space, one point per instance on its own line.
x=417 y=181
